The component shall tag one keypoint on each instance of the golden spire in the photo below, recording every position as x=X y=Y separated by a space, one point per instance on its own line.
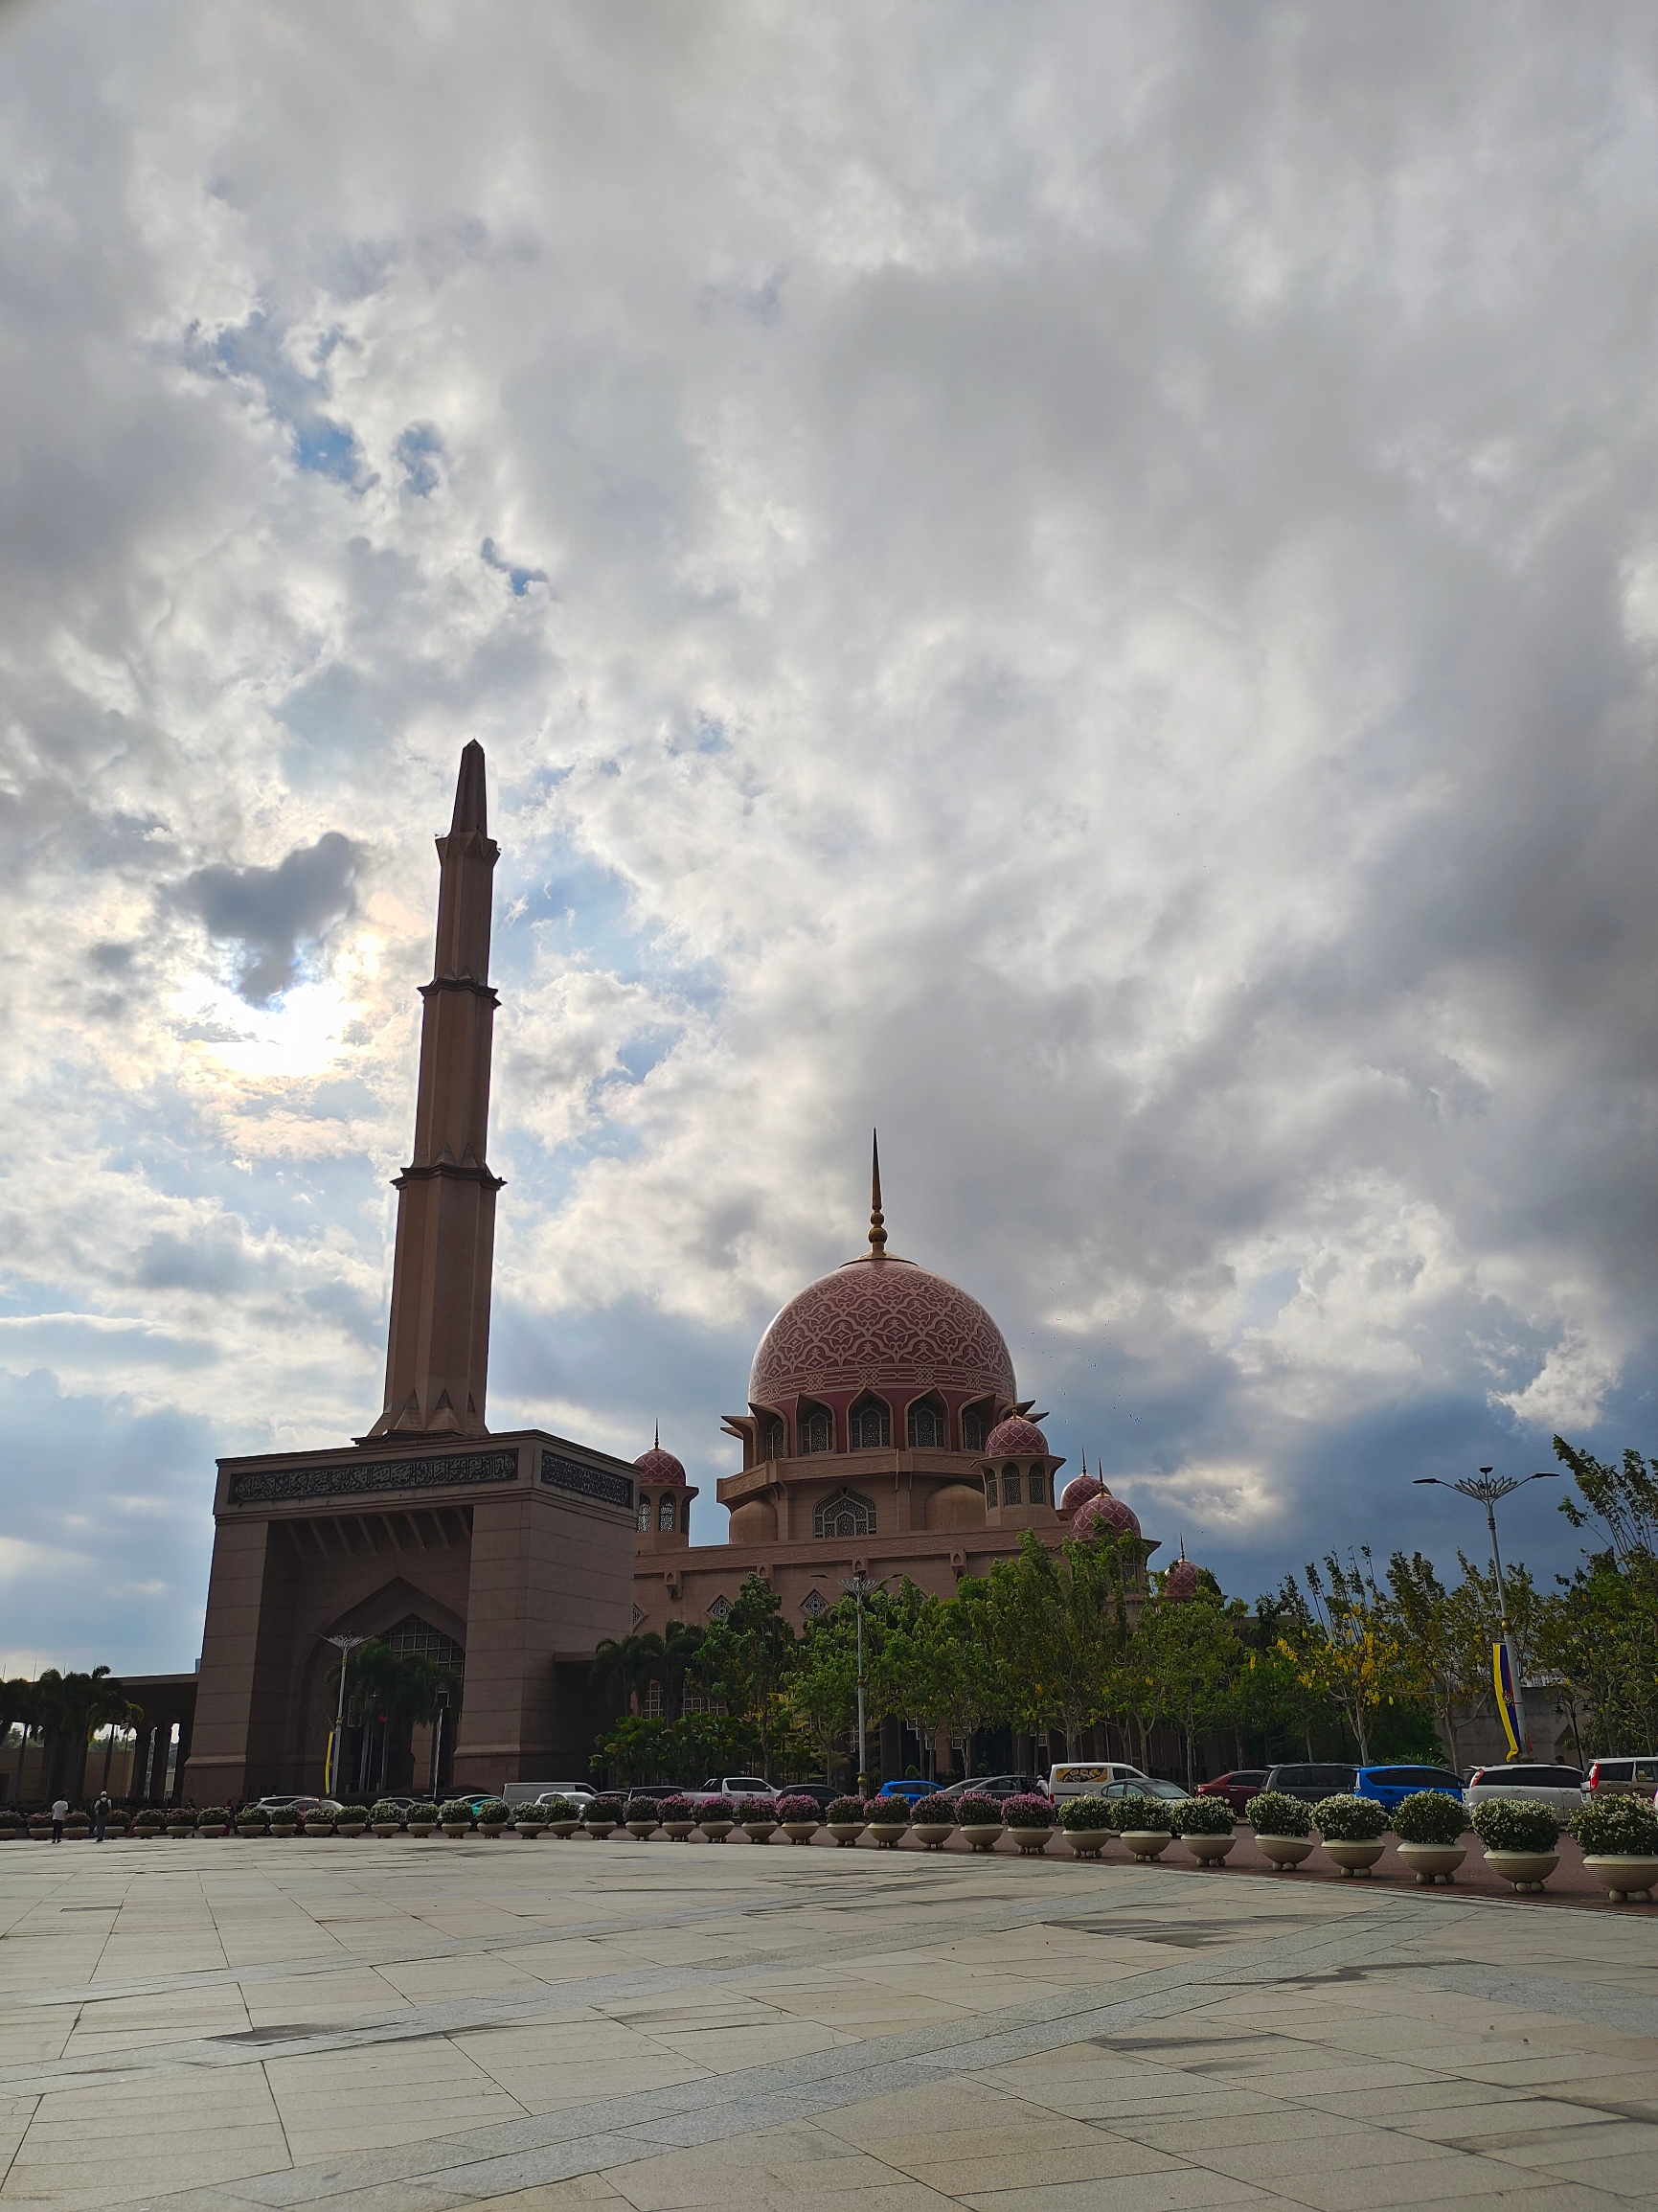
x=877 y=1220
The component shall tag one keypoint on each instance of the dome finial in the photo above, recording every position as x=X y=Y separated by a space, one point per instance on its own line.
x=877 y=1220
x=656 y=1440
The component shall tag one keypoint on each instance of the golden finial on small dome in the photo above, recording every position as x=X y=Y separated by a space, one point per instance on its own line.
x=877 y=1220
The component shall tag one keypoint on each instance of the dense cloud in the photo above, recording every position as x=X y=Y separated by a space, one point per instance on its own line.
x=1081 y=583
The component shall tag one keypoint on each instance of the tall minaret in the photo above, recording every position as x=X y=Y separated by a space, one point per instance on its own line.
x=438 y=1359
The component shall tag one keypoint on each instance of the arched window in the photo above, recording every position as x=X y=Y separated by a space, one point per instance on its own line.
x=665 y=1512
x=845 y=1514
x=927 y=1427
x=990 y=1488
x=817 y=1429
x=1036 y=1486
x=772 y=1439
x=975 y=1428
x=644 y=1510
x=871 y=1425
x=1010 y=1486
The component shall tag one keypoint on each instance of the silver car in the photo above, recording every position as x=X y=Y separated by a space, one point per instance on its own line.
x=1562 y=1789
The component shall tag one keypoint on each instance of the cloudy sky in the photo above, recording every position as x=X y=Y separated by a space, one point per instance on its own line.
x=1080 y=582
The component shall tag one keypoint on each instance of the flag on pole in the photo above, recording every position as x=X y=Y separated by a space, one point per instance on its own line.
x=1503 y=1676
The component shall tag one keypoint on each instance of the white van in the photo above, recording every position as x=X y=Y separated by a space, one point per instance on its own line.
x=1079 y=1781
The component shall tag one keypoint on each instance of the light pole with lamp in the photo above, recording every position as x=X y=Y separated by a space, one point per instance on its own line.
x=345 y=1645
x=858 y=1589
x=1485 y=1490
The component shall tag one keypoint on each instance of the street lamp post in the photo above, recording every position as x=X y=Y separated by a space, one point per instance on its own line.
x=858 y=1588
x=1485 y=1490
x=345 y=1645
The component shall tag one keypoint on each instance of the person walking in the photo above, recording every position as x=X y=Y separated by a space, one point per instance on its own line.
x=59 y=1814
x=100 y=1812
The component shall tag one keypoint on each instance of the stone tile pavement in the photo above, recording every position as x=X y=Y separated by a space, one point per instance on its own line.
x=430 y=2026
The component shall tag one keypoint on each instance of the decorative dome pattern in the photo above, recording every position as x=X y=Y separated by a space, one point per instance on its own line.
x=1077 y=1492
x=659 y=1466
x=1018 y=1438
x=880 y=1323
x=1104 y=1515
x=1180 y=1582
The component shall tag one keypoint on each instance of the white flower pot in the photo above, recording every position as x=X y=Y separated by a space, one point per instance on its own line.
x=643 y=1828
x=1623 y=1874
x=599 y=1829
x=421 y=1827
x=457 y=1827
x=716 y=1831
x=208 y=1828
x=888 y=1833
x=676 y=1831
x=352 y=1828
x=1527 y=1870
x=1087 y=1842
x=385 y=1827
x=529 y=1830
x=981 y=1837
x=276 y=1828
x=760 y=1831
x=1209 y=1850
x=1031 y=1841
x=933 y=1834
x=1146 y=1843
x=1432 y=1862
x=800 y=1831
x=563 y=1828
x=848 y=1832
x=314 y=1826
x=1285 y=1852
x=1353 y=1857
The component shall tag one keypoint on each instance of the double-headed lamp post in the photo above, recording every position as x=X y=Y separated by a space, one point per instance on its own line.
x=345 y=1645
x=859 y=1588
x=1486 y=1488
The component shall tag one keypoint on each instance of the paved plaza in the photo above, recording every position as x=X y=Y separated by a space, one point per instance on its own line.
x=424 y=2024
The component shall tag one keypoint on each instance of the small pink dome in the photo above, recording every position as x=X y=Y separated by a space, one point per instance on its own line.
x=1077 y=1492
x=1104 y=1515
x=1180 y=1582
x=1016 y=1439
x=659 y=1466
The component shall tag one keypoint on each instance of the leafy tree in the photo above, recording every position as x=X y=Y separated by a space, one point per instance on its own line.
x=1356 y=1662
x=745 y=1660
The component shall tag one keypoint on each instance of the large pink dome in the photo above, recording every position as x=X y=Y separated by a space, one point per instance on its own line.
x=659 y=1466
x=1180 y=1582
x=880 y=1323
x=1077 y=1492
x=1014 y=1437
x=1104 y=1515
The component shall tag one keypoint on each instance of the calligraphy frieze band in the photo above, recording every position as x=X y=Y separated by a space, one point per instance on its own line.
x=586 y=1482
x=286 y=1485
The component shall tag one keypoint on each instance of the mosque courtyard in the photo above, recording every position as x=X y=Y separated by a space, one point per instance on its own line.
x=422 y=2025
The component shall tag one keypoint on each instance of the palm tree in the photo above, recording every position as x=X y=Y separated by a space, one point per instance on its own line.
x=617 y=1668
x=18 y=1706
x=680 y=1644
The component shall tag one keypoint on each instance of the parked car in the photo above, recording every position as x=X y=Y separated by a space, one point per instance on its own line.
x=1078 y=1780
x=911 y=1791
x=734 y=1786
x=1391 y=1786
x=1313 y=1782
x=1636 y=1776
x=1145 y=1785
x=542 y=1792
x=1237 y=1787
x=998 y=1786
x=299 y=1805
x=823 y=1794
x=1561 y=1788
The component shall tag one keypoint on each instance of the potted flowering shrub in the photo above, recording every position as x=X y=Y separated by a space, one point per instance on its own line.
x=494 y=1815
x=846 y=1821
x=1350 y=1830
x=1429 y=1824
x=79 y=1823
x=979 y=1818
x=317 y=1819
x=1089 y=1824
x=757 y=1817
x=455 y=1818
x=1146 y=1825
x=1283 y=1828
x=644 y=1817
x=798 y=1817
x=678 y=1818
x=284 y=1820
x=718 y=1818
x=564 y=1817
x=386 y=1818
x=530 y=1821
x=1620 y=1840
x=601 y=1815
x=1205 y=1826
x=1030 y=1822
x=213 y=1820
x=1520 y=1840
x=11 y=1826
x=933 y=1821
x=351 y=1820
x=423 y=1819
x=889 y=1820
x=180 y=1821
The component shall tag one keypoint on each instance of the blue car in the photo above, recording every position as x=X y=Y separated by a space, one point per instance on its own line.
x=911 y=1791
x=1391 y=1786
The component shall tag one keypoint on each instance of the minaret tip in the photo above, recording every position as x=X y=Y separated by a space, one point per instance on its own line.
x=472 y=796
x=877 y=1220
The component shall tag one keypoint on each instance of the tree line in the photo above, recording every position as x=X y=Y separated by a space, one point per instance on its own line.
x=1340 y=1660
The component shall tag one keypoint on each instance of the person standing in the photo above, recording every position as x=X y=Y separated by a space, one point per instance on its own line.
x=100 y=1812
x=59 y=1814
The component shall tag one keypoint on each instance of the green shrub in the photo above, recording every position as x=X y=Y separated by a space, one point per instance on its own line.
x=385 y=1810
x=531 y=1816
x=1429 y=1817
x=1088 y=1815
x=253 y=1817
x=424 y=1814
x=454 y=1811
x=1273 y=1813
x=1346 y=1819
x=1145 y=1815
x=352 y=1817
x=1516 y=1824
x=496 y=1811
x=1617 y=1825
x=1203 y=1816
x=210 y=1816
x=561 y=1809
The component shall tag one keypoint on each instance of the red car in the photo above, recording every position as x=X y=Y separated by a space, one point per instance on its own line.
x=1237 y=1787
